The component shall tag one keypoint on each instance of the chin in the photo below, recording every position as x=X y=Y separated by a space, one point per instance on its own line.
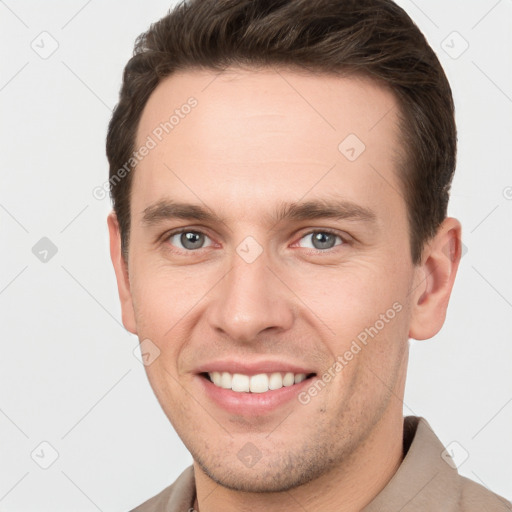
x=265 y=476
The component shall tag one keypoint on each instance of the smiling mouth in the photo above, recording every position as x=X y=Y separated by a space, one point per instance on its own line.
x=260 y=383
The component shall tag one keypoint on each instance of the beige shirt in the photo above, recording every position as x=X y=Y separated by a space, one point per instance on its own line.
x=426 y=481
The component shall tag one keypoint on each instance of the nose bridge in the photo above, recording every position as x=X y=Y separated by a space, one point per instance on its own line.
x=249 y=299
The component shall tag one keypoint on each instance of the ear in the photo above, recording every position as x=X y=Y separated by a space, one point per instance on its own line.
x=434 y=280
x=121 y=270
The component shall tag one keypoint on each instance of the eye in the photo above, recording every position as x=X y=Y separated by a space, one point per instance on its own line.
x=189 y=240
x=320 y=240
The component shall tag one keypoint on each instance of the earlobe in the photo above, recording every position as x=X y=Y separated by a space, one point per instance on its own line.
x=434 y=280
x=121 y=271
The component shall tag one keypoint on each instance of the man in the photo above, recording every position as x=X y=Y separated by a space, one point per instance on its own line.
x=280 y=175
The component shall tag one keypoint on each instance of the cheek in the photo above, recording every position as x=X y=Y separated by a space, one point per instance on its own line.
x=352 y=297
x=163 y=296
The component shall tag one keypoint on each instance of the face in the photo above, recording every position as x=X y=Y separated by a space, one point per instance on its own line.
x=269 y=236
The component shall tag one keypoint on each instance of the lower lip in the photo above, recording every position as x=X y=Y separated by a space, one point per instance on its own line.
x=251 y=404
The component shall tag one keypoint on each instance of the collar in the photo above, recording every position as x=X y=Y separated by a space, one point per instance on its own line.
x=426 y=479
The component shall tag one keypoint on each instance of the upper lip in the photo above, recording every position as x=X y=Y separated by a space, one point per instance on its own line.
x=252 y=368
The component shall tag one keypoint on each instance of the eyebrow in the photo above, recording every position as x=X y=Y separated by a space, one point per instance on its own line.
x=337 y=209
x=168 y=210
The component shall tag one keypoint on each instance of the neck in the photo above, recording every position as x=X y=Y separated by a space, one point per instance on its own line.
x=348 y=487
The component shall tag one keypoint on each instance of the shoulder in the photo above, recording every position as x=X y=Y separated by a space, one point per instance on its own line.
x=179 y=496
x=476 y=498
x=428 y=479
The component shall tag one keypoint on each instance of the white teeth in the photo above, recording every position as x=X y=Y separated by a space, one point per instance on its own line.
x=240 y=382
x=225 y=380
x=275 y=381
x=299 y=377
x=216 y=377
x=260 y=383
x=288 y=379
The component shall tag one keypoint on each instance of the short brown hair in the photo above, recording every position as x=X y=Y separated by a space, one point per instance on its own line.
x=374 y=38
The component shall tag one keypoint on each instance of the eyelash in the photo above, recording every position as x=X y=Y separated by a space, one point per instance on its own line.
x=170 y=234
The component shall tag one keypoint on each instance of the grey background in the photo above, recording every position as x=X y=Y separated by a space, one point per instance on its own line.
x=68 y=373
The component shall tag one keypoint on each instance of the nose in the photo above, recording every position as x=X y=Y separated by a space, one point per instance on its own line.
x=250 y=300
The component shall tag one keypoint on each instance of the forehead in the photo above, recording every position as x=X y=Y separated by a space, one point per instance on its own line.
x=262 y=133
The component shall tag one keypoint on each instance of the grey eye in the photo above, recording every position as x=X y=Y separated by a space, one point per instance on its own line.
x=321 y=240
x=190 y=240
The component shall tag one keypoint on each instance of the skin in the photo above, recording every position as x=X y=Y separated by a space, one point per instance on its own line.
x=255 y=140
